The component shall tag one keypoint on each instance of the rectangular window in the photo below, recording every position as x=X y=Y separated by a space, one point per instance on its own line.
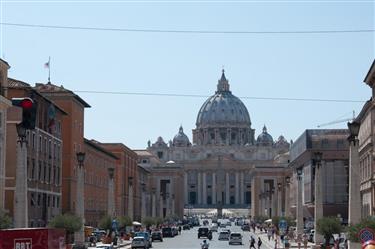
x=49 y=173
x=45 y=172
x=57 y=202
x=40 y=144
x=33 y=169
x=39 y=171
x=48 y=201
x=33 y=140
x=54 y=176
x=58 y=176
x=32 y=200
x=53 y=201
x=50 y=149
x=39 y=198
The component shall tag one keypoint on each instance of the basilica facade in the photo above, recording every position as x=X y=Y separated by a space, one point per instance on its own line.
x=225 y=165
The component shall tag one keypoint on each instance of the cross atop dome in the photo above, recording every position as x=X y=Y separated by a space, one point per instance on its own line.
x=223 y=85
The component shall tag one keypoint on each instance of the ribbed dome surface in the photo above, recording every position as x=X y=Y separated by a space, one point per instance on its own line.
x=181 y=139
x=223 y=108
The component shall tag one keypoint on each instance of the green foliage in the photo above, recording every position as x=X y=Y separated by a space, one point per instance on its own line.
x=289 y=220
x=148 y=221
x=327 y=226
x=354 y=229
x=260 y=218
x=158 y=221
x=105 y=222
x=124 y=221
x=5 y=220
x=171 y=218
x=69 y=222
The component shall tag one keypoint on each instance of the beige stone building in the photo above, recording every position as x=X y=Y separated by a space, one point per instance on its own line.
x=224 y=166
x=366 y=149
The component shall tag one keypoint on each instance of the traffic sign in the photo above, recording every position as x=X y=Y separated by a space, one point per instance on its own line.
x=366 y=234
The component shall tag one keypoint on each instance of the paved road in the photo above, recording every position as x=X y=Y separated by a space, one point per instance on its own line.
x=188 y=240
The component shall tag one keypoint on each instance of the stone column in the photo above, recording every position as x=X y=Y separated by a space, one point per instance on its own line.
x=214 y=188
x=242 y=187
x=199 y=190
x=186 y=188
x=227 y=199
x=111 y=193
x=130 y=199
x=153 y=200
x=256 y=202
x=318 y=201
x=237 y=186
x=279 y=204
x=287 y=199
x=299 y=204
x=20 y=193
x=274 y=202
x=143 y=199
x=161 y=207
x=204 y=190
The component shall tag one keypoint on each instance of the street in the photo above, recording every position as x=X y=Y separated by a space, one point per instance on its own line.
x=188 y=240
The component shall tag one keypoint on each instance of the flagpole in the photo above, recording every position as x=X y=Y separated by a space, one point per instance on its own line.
x=49 y=69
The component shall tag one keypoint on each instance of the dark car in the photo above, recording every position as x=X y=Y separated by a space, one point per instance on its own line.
x=186 y=227
x=245 y=227
x=203 y=232
x=157 y=235
x=167 y=232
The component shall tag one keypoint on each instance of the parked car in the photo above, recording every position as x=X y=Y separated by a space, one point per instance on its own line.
x=147 y=237
x=223 y=235
x=167 y=232
x=156 y=235
x=186 y=227
x=223 y=225
x=174 y=231
x=203 y=232
x=235 y=238
x=139 y=242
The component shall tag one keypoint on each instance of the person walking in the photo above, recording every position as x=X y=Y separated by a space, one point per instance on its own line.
x=259 y=242
x=252 y=243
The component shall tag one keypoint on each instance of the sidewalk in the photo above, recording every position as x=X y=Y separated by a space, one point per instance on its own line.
x=271 y=243
x=120 y=244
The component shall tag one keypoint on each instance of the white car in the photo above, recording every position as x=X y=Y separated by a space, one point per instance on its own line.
x=224 y=235
x=139 y=242
x=235 y=238
x=213 y=228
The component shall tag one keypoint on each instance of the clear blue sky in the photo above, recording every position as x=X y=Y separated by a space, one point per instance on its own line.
x=326 y=66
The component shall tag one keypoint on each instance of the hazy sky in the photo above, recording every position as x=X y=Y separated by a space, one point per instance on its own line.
x=319 y=65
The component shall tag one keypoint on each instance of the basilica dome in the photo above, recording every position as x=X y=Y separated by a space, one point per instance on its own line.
x=223 y=108
x=223 y=119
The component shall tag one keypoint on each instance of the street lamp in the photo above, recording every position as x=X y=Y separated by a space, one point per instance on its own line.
x=354 y=131
x=80 y=205
x=318 y=210
x=279 y=186
x=287 y=179
x=21 y=132
x=80 y=158
x=299 y=212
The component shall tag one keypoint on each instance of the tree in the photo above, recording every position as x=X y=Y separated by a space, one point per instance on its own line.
x=124 y=221
x=354 y=229
x=5 y=220
x=148 y=221
x=327 y=226
x=158 y=221
x=106 y=222
x=69 y=222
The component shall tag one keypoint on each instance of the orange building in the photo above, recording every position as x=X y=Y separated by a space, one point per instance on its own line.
x=72 y=136
x=126 y=180
x=44 y=158
x=97 y=162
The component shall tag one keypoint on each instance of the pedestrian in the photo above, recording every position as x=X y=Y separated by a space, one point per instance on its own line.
x=252 y=242
x=259 y=242
x=269 y=234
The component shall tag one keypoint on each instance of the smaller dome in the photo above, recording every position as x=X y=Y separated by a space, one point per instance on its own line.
x=181 y=140
x=264 y=138
x=159 y=143
x=281 y=142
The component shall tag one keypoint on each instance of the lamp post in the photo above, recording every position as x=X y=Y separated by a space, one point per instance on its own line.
x=111 y=192
x=318 y=210
x=299 y=212
x=79 y=237
x=20 y=198
x=279 y=209
x=130 y=198
x=287 y=186
x=354 y=215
